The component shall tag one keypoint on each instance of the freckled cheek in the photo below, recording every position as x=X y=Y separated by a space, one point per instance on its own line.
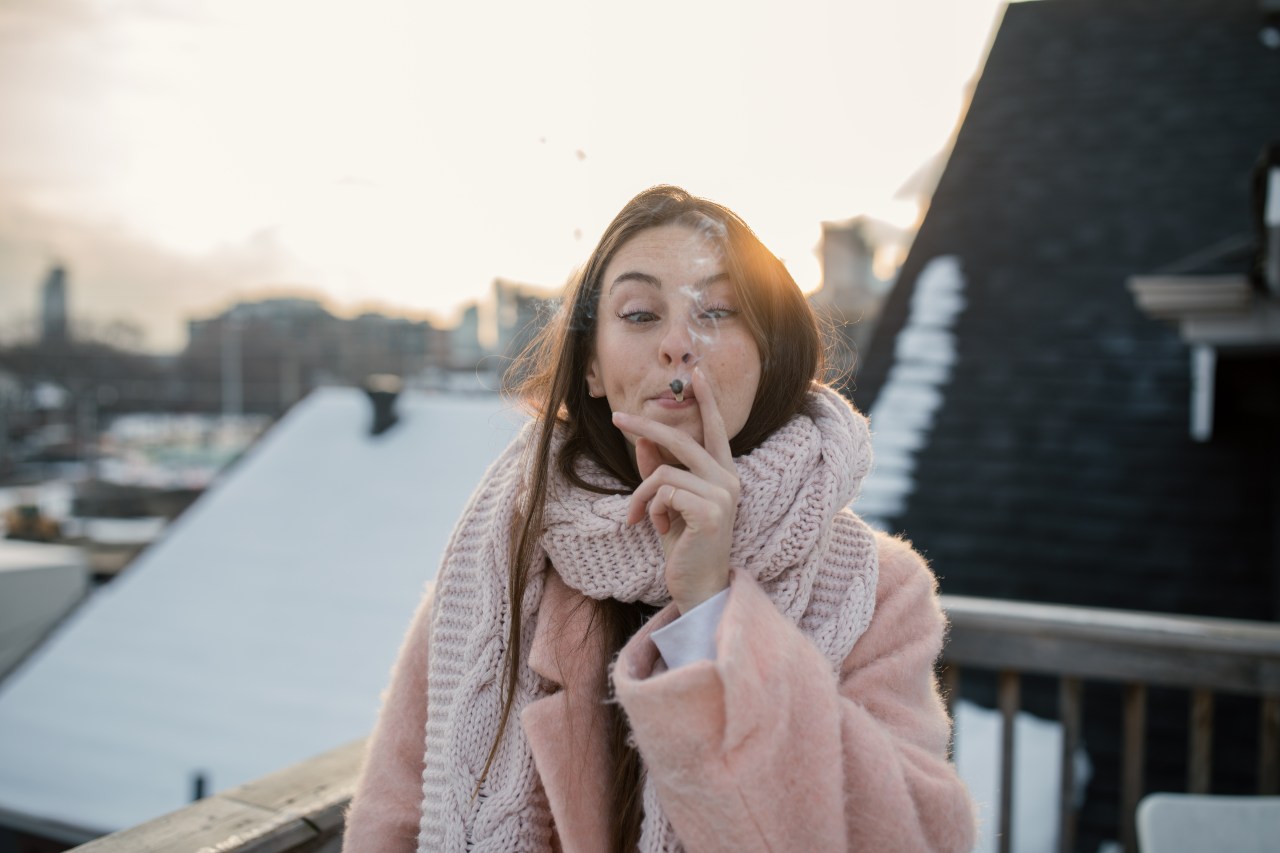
x=739 y=379
x=735 y=365
x=628 y=390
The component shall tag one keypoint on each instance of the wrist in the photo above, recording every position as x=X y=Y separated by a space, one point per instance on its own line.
x=688 y=599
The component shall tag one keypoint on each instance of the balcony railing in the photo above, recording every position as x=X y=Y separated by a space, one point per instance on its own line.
x=1137 y=650
x=298 y=809
x=301 y=808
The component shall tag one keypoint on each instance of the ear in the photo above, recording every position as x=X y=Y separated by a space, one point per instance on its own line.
x=595 y=384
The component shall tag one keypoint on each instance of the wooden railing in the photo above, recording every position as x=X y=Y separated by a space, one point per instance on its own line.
x=301 y=808
x=1136 y=650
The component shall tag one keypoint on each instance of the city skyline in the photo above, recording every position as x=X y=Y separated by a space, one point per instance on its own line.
x=399 y=158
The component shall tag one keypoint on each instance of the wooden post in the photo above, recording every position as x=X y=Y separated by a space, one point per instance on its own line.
x=1009 y=700
x=1200 y=747
x=1269 y=747
x=1135 y=731
x=1070 y=702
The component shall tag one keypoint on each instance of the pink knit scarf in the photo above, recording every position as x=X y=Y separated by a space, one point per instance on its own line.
x=793 y=533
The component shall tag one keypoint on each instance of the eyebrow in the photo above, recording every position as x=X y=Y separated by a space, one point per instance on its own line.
x=654 y=281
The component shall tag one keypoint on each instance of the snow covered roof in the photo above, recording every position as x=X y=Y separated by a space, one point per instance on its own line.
x=39 y=583
x=19 y=556
x=260 y=630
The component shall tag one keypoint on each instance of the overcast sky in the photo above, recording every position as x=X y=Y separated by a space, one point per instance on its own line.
x=180 y=154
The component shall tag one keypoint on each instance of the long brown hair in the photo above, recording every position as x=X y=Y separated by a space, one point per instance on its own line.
x=550 y=379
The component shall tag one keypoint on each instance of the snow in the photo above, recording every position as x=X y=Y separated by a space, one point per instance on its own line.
x=903 y=414
x=38 y=584
x=930 y=346
x=1037 y=770
x=259 y=631
x=116 y=531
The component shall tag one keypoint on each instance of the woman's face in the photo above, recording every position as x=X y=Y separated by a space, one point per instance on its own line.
x=666 y=305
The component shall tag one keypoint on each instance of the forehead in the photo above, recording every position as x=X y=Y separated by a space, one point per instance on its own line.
x=678 y=250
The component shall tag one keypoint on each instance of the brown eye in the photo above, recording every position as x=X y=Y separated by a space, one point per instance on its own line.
x=717 y=313
x=637 y=317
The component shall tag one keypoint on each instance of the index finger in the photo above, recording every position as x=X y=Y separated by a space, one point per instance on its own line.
x=715 y=438
x=677 y=442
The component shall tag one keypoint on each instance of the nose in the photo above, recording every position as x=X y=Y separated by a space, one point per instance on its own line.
x=676 y=346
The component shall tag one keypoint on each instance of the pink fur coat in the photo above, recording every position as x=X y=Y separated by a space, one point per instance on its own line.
x=764 y=748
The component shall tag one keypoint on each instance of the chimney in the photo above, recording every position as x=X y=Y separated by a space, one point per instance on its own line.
x=383 y=389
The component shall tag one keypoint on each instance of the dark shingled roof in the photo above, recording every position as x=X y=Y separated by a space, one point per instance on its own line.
x=1105 y=138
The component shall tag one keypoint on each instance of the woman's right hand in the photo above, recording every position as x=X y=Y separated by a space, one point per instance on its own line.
x=693 y=508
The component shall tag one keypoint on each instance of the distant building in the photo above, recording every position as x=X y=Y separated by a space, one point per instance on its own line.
x=851 y=292
x=11 y=401
x=376 y=343
x=519 y=308
x=53 y=307
x=849 y=284
x=262 y=357
x=522 y=310
x=465 y=350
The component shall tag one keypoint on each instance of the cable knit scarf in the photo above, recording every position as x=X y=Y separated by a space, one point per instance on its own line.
x=793 y=533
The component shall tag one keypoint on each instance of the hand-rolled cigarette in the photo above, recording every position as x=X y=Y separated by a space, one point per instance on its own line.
x=677 y=388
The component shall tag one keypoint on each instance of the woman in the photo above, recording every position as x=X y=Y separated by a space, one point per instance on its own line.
x=678 y=509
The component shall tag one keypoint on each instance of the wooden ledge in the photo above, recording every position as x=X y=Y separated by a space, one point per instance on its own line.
x=1172 y=297
x=1118 y=645
x=299 y=808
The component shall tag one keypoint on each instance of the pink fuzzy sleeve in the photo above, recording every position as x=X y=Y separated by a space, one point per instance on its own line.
x=387 y=804
x=766 y=748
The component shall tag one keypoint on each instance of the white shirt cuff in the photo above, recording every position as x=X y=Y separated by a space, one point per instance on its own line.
x=692 y=637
